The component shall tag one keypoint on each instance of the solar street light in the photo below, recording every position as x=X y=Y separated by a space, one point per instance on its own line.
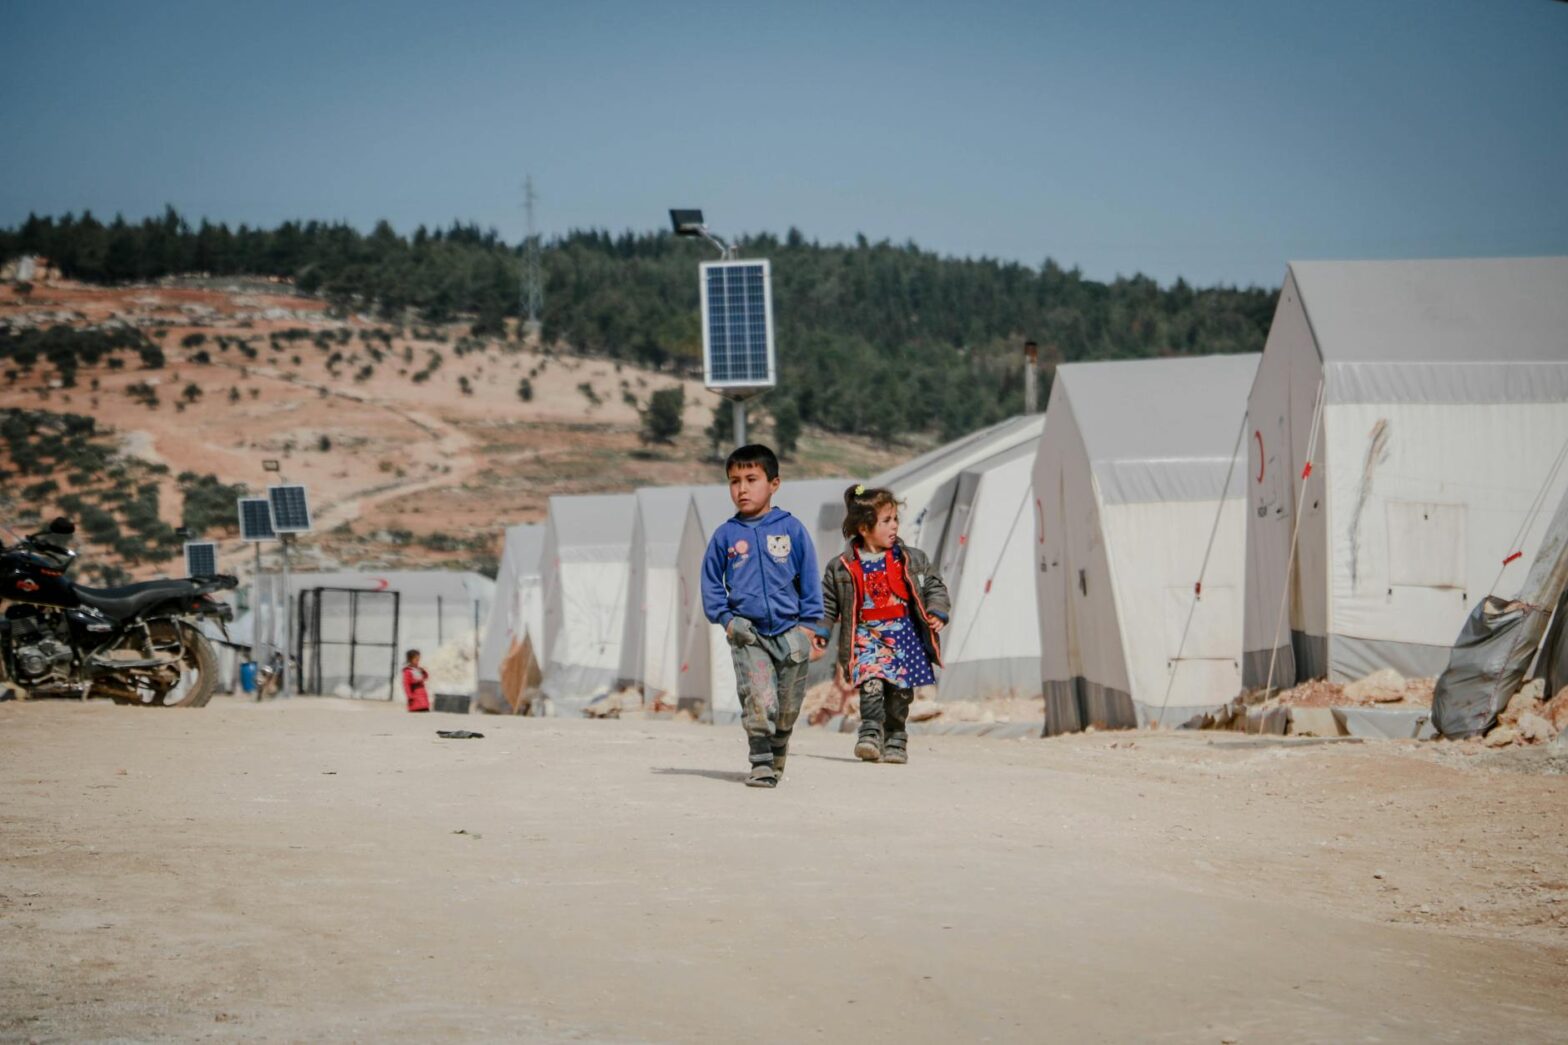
x=737 y=320
x=689 y=223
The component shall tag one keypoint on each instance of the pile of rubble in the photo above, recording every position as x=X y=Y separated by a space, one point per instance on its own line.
x=1385 y=688
x=1529 y=718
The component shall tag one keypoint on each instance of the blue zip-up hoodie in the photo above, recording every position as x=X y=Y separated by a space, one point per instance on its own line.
x=763 y=569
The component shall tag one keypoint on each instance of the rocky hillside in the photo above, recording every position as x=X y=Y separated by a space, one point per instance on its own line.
x=136 y=409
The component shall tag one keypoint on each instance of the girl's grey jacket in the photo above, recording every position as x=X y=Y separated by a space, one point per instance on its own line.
x=841 y=603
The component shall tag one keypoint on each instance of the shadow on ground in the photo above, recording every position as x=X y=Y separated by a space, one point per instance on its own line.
x=729 y=777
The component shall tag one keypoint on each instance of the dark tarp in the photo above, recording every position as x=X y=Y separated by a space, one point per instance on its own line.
x=1485 y=669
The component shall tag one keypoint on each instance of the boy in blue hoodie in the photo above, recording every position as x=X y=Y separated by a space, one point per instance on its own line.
x=760 y=583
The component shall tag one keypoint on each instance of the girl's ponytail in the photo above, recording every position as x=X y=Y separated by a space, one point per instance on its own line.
x=862 y=505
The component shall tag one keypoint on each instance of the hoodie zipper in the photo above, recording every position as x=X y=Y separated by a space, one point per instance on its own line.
x=762 y=567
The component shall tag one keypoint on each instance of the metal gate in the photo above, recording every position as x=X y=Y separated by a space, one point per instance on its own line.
x=348 y=642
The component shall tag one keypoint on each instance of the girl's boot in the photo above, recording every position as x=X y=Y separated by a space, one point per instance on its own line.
x=868 y=747
x=896 y=750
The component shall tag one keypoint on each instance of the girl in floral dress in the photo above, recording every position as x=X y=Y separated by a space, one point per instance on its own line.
x=891 y=605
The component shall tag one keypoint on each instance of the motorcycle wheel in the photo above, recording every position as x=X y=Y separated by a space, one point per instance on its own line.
x=198 y=678
x=198 y=673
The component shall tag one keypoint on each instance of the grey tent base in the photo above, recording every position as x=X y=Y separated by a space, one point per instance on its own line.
x=1073 y=704
x=1340 y=658
x=1305 y=658
x=1076 y=703
x=572 y=686
x=1386 y=723
x=980 y=679
x=1151 y=717
x=1357 y=658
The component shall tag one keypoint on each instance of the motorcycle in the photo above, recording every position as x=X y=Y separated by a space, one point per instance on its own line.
x=138 y=644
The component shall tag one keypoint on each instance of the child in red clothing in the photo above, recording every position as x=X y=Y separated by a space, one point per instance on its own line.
x=414 y=678
x=889 y=604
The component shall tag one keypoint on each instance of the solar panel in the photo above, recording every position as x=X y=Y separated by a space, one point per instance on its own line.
x=201 y=558
x=256 y=519
x=290 y=513
x=737 y=324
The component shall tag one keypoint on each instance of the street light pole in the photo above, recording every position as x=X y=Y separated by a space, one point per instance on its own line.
x=690 y=223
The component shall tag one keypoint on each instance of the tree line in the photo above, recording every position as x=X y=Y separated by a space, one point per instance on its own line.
x=873 y=338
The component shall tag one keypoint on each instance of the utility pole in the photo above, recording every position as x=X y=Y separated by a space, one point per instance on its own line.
x=1031 y=377
x=531 y=292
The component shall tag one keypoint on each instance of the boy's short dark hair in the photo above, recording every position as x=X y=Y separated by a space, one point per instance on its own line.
x=410 y=655
x=755 y=453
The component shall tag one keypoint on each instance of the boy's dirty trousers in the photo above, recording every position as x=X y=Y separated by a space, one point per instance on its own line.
x=770 y=679
x=884 y=713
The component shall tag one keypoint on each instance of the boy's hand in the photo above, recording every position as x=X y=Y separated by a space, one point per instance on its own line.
x=935 y=622
x=741 y=632
x=819 y=645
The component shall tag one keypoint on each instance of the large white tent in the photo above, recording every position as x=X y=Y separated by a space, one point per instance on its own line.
x=705 y=671
x=651 y=642
x=1130 y=490
x=991 y=646
x=587 y=548
x=353 y=633
x=517 y=615
x=707 y=676
x=926 y=484
x=1431 y=398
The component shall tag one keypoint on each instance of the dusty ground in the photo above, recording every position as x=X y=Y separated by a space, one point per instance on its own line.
x=326 y=870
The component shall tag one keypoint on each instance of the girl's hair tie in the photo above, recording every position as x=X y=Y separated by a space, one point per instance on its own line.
x=860 y=489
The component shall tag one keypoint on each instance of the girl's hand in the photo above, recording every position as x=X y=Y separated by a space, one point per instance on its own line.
x=819 y=647
x=935 y=622
x=841 y=683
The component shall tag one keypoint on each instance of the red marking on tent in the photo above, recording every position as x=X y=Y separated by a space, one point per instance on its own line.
x=1259 y=437
x=1512 y=557
x=684 y=668
x=1307 y=470
x=963 y=538
x=988 y=585
x=382 y=584
x=1197 y=589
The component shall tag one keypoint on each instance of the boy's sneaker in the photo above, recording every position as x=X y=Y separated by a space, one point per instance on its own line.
x=763 y=775
x=896 y=754
x=869 y=749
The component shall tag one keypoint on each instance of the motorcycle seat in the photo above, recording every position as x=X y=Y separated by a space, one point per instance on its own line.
x=124 y=603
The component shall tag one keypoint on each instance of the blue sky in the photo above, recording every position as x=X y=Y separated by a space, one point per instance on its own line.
x=1209 y=140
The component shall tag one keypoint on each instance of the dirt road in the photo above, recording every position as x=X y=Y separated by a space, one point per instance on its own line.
x=326 y=870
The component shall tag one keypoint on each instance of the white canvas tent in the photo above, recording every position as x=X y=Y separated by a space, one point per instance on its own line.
x=354 y=638
x=587 y=548
x=1431 y=398
x=1130 y=489
x=707 y=676
x=517 y=615
x=991 y=646
x=926 y=483
x=651 y=643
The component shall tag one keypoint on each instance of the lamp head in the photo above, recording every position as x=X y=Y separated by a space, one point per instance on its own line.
x=687 y=222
